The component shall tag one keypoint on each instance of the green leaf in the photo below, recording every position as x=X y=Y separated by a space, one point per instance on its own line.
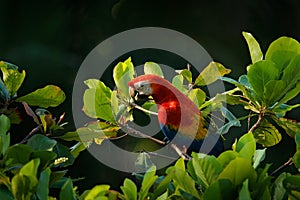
x=23 y=186
x=40 y=142
x=204 y=170
x=123 y=73
x=97 y=104
x=290 y=94
x=259 y=156
x=281 y=110
x=12 y=78
x=5 y=193
x=143 y=162
x=211 y=73
x=77 y=148
x=31 y=168
x=278 y=188
x=4 y=134
x=232 y=121
x=183 y=181
x=254 y=48
x=246 y=146
x=17 y=154
x=153 y=68
x=187 y=74
x=296 y=157
x=55 y=176
x=64 y=156
x=129 y=189
x=266 y=134
x=238 y=170
x=222 y=189
x=226 y=157
x=49 y=96
x=282 y=50
x=93 y=131
x=97 y=192
x=259 y=74
x=148 y=181
x=45 y=157
x=291 y=184
x=197 y=96
x=273 y=91
x=67 y=191
x=42 y=190
x=247 y=92
x=291 y=127
x=177 y=81
x=291 y=74
x=244 y=192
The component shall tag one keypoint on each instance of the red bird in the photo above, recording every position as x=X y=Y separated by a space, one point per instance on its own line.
x=180 y=119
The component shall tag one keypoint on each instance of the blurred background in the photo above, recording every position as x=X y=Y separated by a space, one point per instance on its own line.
x=51 y=39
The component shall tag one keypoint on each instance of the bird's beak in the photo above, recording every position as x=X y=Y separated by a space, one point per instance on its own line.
x=132 y=92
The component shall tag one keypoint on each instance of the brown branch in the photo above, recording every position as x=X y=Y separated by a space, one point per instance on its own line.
x=257 y=122
x=131 y=130
x=33 y=131
x=289 y=162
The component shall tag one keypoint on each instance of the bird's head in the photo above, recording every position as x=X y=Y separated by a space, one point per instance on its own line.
x=152 y=85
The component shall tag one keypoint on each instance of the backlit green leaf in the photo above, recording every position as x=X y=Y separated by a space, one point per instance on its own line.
x=290 y=94
x=187 y=74
x=148 y=181
x=177 y=81
x=153 y=68
x=246 y=146
x=23 y=186
x=282 y=50
x=97 y=104
x=204 y=170
x=211 y=73
x=129 y=189
x=198 y=96
x=12 y=78
x=238 y=170
x=254 y=48
x=97 y=192
x=266 y=134
x=30 y=168
x=49 y=96
x=123 y=73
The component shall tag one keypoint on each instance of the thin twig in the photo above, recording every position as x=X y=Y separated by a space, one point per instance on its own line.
x=180 y=153
x=289 y=162
x=143 y=109
x=33 y=131
x=131 y=130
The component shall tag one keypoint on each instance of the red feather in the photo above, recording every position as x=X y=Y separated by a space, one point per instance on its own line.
x=175 y=110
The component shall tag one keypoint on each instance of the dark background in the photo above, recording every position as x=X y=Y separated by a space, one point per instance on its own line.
x=51 y=39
